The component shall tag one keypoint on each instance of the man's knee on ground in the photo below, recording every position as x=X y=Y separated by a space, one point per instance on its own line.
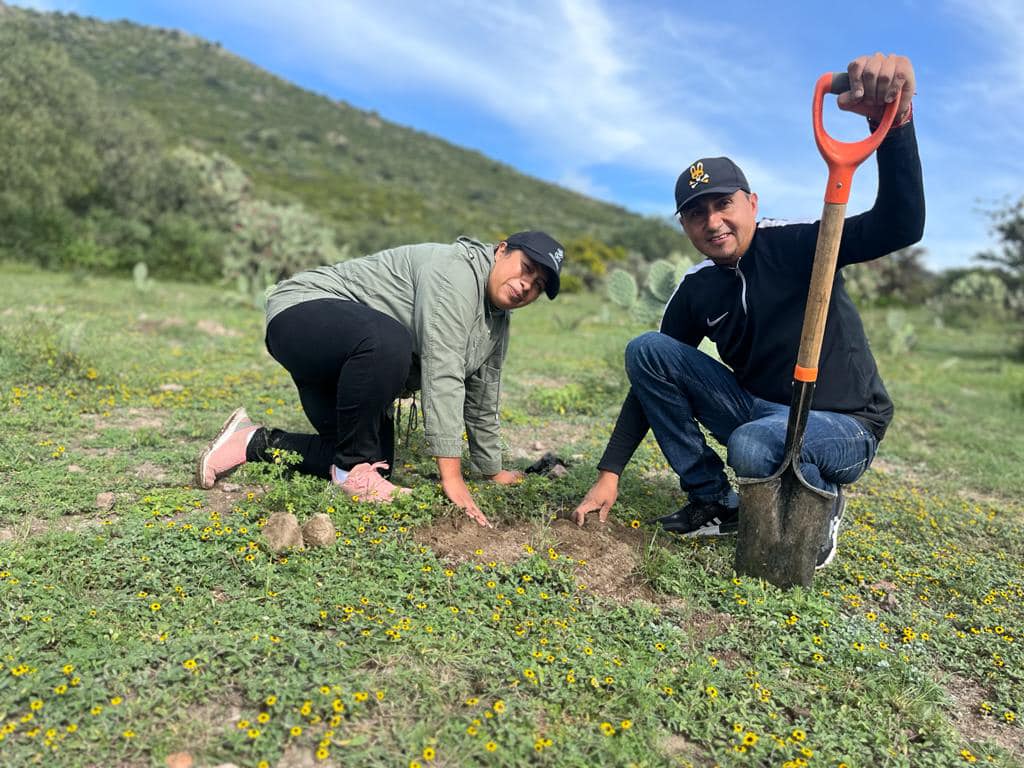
x=754 y=451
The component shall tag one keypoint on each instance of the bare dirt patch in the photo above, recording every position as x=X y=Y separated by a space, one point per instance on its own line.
x=154 y=325
x=150 y=472
x=530 y=442
x=130 y=418
x=967 y=697
x=607 y=556
x=224 y=497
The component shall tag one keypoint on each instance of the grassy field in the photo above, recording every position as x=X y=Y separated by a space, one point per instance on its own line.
x=141 y=618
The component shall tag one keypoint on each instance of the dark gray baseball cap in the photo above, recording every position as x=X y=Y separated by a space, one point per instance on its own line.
x=543 y=249
x=709 y=176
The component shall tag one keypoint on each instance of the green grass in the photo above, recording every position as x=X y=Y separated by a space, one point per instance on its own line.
x=163 y=623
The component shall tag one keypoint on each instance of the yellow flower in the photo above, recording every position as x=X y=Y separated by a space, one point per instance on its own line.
x=490 y=746
x=128 y=734
x=263 y=717
x=626 y=725
x=322 y=753
x=428 y=753
x=296 y=730
x=607 y=728
x=116 y=700
x=711 y=691
x=271 y=700
x=798 y=734
x=499 y=706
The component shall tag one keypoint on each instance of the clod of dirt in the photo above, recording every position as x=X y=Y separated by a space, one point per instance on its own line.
x=282 y=531
x=105 y=501
x=318 y=531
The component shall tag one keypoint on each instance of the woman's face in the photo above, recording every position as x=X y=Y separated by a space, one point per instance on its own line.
x=515 y=280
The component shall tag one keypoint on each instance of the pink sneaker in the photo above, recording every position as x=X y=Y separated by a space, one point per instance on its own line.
x=227 y=451
x=364 y=483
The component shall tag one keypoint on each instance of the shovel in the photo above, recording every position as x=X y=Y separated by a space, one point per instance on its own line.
x=783 y=518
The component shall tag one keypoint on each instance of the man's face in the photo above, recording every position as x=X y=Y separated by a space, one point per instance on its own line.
x=515 y=280
x=721 y=226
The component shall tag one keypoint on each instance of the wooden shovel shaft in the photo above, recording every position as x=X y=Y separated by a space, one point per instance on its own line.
x=820 y=292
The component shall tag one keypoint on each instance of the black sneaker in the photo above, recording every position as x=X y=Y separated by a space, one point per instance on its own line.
x=702 y=518
x=835 y=517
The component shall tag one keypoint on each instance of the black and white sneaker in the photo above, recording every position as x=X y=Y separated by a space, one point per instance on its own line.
x=835 y=518
x=702 y=518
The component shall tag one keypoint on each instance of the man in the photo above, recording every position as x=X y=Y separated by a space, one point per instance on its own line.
x=356 y=334
x=749 y=298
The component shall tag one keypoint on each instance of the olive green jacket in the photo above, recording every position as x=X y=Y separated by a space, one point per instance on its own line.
x=437 y=291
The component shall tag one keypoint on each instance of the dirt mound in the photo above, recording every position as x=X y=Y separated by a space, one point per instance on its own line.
x=606 y=557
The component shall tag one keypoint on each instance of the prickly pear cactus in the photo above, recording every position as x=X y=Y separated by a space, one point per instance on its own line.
x=661 y=280
x=622 y=288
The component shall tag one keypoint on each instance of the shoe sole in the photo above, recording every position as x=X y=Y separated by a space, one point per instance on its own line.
x=233 y=421
x=715 y=529
x=834 y=538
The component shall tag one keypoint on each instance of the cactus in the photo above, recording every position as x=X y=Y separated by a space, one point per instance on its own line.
x=983 y=287
x=661 y=280
x=646 y=305
x=140 y=276
x=271 y=242
x=863 y=283
x=901 y=333
x=622 y=288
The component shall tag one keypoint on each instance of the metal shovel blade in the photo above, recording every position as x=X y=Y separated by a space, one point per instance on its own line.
x=783 y=525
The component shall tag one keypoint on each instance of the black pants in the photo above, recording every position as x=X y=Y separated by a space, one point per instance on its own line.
x=349 y=363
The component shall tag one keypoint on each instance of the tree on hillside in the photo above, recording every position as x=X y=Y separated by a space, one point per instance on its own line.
x=48 y=123
x=1008 y=224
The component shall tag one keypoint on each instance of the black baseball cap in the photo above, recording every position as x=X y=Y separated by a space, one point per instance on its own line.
x=709 y=176
x=543 y=249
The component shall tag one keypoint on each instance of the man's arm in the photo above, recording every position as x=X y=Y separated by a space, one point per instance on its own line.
x=896 y=220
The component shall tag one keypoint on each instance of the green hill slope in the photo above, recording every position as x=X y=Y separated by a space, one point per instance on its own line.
x=374 y=182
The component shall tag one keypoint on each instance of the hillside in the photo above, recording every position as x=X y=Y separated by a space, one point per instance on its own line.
x=376 y=183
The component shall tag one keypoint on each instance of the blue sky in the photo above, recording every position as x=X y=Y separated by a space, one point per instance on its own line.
x=614 y=98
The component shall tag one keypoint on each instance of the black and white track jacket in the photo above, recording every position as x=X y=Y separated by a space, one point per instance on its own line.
x=754 y=311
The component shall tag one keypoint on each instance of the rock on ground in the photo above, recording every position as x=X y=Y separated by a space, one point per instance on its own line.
x=282 y=531
x=318 y=531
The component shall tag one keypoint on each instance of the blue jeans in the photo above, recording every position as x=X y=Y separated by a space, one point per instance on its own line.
x=679 y=386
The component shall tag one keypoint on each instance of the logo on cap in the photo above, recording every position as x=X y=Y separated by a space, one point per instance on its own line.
x=556 y=256
x=697 y=175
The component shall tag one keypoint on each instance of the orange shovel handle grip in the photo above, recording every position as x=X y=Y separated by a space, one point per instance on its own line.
x=843 y=157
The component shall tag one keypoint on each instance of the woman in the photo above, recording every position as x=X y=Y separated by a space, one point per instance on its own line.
x=355 y=335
